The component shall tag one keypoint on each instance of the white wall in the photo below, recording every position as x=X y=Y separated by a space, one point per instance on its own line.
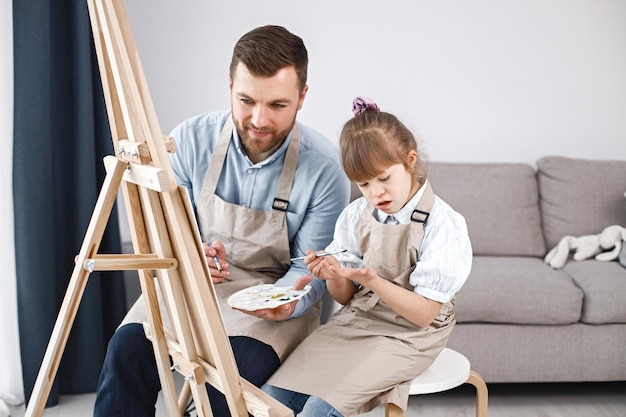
x=11 y=389
x=480 y=80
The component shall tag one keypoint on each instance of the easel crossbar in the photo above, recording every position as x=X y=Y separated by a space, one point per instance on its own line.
x=128 y=262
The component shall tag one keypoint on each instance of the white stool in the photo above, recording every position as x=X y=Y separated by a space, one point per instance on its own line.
x=448 y=371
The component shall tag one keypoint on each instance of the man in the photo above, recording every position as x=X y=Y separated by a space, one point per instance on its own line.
x=264 y=189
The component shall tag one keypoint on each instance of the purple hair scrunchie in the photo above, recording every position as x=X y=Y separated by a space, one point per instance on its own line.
x=361 y=104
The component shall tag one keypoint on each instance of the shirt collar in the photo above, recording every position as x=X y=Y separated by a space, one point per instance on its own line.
x=404 y=214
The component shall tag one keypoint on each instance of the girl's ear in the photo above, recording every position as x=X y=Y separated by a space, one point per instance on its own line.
x=411 y=160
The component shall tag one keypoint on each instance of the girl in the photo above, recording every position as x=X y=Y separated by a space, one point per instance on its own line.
x=408 y=253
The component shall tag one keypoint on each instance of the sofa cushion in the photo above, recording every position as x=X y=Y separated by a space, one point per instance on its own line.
x=518 y=290
x=604 y=286
x=499 y=202
x=580 y=197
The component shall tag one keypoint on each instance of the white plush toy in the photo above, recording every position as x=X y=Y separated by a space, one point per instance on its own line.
x=605 y=246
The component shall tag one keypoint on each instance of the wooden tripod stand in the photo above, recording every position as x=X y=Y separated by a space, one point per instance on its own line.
x=165 y=239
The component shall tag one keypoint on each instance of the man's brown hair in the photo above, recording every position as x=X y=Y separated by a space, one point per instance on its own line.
x=267 y=49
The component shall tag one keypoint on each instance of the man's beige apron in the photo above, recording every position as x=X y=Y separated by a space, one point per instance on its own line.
x=366 y=355
x=257 y=249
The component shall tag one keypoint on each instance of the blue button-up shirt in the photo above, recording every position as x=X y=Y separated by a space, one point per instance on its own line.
x=320 y=190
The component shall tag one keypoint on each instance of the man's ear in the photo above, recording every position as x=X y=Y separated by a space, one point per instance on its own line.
x=302 y=96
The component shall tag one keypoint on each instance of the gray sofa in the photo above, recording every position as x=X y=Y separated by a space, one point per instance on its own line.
x=518 y=319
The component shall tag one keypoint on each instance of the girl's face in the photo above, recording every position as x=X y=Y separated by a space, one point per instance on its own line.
x=392 y=189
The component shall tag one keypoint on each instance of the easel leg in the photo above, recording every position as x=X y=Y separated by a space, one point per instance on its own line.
x=74 y=293
x=170 y=285
x=201 y=399
x=183 y=398
x=159 y=344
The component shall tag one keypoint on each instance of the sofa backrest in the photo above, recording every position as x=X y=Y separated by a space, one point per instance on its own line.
x=511 y=209
x=499 y=202
x=580 y=197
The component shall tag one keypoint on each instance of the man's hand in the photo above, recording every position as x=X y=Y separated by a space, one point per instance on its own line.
x=216 y=258
x=284 y=311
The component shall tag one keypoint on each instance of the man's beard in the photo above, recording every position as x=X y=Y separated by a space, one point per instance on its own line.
x=252 y=144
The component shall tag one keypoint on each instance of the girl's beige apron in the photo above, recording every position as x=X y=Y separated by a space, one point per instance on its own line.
x=366 y=355
x=257 y=246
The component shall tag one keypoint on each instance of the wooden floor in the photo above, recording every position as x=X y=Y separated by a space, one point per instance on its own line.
x=505 y=400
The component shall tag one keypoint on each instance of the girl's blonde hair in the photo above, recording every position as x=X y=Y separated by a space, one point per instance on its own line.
x=374 y=140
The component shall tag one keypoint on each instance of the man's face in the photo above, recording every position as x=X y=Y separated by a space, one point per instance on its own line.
x=264 y=109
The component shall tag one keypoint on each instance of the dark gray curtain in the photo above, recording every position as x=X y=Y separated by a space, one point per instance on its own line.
x=61 y=135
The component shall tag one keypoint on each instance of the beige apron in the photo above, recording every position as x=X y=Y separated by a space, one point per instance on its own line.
x=366 y=355
x=257 y=248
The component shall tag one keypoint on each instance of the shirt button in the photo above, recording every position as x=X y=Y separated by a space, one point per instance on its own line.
x=249 y=171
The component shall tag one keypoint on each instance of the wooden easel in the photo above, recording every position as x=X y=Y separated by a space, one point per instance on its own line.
x=165 y=239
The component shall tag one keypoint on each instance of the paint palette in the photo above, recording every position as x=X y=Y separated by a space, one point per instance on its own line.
x=264 y=296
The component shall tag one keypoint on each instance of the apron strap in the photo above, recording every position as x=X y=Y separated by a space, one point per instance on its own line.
x=424 y=206
x=219 y=156
x=287 y=175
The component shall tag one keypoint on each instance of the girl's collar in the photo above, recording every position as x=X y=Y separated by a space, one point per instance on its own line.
x=404 y=214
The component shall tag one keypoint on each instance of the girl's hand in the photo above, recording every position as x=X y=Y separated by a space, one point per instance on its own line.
x=328 y=268
x=339 y=280
x=314 y=264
